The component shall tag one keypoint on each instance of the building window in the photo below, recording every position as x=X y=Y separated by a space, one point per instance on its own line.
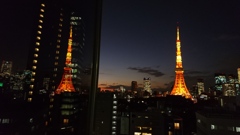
x=55 y=69
x=41 y=21
x=176 y=126
x=42 y=10
x=61 y=19
x=55 y=63
x=39 y=32
x=56 y=57
x=32 y=80
x=29 y=99
x=31 y=86
x=33 y=73
x=34 y=61
x=36 y=49
x=5 y=121
x=237 y=129
x=59 y=35
x=57 y=52
x=34 y=67
x=40 y=26
x=30 y=92
x=35 y=55
x=213 y=127
x=41 y=15
x=38 y=38
x=37 y=43
x=65 y=121
x=43 y=5
x=58 y=41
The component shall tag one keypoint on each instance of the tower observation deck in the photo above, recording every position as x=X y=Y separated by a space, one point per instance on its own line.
x=179 y=87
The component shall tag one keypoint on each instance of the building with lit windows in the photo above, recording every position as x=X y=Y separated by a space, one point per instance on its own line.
x=147 y=85
x=200 y=86
x=106 y=114
x=220 y=79
x=6 y=67
x=217 y=123
x=47 y=52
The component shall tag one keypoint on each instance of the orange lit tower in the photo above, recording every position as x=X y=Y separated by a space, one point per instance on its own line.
x=66 y=84
x=179 y=85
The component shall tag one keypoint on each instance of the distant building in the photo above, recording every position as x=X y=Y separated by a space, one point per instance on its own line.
x=147 y=85
x=134 y=86
x=200 y=86
x=6 y=67
x=219 y=80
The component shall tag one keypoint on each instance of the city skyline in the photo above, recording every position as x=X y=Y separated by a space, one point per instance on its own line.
x=138 y=40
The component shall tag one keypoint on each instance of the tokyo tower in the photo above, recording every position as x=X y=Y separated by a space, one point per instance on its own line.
x=180 y=87
x=66 y=84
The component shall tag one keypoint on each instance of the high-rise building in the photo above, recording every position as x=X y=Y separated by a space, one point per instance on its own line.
x=6 y=67
x=134 y=86
x=200 y=86
x=48 y=50
x=238 y=72
x=220 y=79
x=147 y=85
x=179 y=87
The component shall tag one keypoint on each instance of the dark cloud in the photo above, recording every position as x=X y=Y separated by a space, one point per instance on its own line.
x=147 y=70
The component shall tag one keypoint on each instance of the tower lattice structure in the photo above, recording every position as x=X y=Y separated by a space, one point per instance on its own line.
x=66 y=84
x=180 y=87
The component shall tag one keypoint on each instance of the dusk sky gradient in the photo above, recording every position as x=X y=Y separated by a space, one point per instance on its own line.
x=139 y=39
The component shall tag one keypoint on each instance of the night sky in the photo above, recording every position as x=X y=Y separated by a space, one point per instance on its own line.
x=139 y=39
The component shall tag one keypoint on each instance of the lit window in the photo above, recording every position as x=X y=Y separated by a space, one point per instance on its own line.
x=30 y=92
x=237 y=129
x=137 y=133
x=42 y=10
x=59 y=35
x=114 y=107
x=114 y=112
x=61 y=14
x=35 y=55
x=58 y=41
x=54 y=75
x=176 y=126
x=38 y=38
x=60 y=30
x=40 y=21
x=46 y=123
x=37 y=43
x=32 y=80
x=56 y=57
x=43 y=5
x=61 y=19
x=31 y=86
x=50 y=106
x=213 y=127
x=60 y=24
x=5 y=120
x=34 y=67
x=39 y=32
x=114 y=102
x=34 y=61
x=198 y=120
x=29 y=99
x=51 y=100
x=40 y=26
x=58 y=46
x=57 y=52
x=65 y=121
x=33 y=73
x=36 y=49
x=55 y=69
x=41 y=15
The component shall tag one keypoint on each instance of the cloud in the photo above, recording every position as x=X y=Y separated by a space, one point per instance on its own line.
x=147 y=70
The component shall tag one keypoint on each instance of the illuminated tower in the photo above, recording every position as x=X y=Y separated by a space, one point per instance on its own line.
x=179 y=85
x=66 y=84
x=147 y=85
